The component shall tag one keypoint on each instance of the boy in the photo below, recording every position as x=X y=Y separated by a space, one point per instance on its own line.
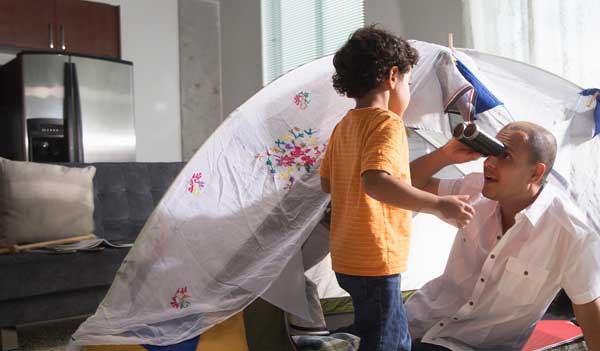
x=366 y=170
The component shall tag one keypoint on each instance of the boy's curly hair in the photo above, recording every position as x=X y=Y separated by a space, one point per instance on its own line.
x=367 y=57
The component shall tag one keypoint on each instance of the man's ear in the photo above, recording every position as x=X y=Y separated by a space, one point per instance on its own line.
x=538 y=173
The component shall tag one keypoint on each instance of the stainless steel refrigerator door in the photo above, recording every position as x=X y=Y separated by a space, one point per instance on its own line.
x=43 y=85
x=107 y=113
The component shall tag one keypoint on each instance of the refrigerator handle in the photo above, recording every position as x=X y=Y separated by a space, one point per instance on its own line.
x=72 y=120
x=77 y=113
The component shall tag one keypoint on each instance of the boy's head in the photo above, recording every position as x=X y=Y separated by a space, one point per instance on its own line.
x=368 y=59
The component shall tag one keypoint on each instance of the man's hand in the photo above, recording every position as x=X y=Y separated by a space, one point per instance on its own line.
x=455 y=210
x=588 y=317
x=457 y=152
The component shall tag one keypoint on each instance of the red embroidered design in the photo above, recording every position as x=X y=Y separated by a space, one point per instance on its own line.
x=181 y=299
x=195 y=185
x=302 y=99
x=295 y=152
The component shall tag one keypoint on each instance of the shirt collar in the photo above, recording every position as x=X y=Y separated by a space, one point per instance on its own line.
x=534 y=211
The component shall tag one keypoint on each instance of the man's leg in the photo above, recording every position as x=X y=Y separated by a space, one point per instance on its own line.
x=379 y=316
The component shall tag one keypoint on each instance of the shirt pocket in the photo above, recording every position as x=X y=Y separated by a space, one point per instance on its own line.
x=522 y=281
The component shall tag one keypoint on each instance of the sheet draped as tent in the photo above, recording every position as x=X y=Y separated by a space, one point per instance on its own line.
x=231 y=226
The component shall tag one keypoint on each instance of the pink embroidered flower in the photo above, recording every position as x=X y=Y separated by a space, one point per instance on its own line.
x=181 y=299
x=302 y=100
x=287 y=161
x=295 y=153
x=308 y=160
x=195 y=184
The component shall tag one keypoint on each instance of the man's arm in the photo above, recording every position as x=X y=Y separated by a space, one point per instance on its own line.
x=588 y=317
x=423 y=168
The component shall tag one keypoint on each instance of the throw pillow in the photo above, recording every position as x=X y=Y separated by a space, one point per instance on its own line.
x=40 y=202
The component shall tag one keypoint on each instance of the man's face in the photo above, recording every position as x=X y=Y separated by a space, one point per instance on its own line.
x=508 y=175
x=400 y=95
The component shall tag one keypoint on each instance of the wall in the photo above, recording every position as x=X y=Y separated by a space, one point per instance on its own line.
x=150 y=39
x=240 y=51
x=427 y=20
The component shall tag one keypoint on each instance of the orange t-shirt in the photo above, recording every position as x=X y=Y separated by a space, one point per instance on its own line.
x=368 y=237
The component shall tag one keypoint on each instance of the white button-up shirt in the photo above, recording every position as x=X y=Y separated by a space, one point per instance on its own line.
x=496 y=287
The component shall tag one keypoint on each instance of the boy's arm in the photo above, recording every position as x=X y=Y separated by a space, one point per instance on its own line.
x=393 y=191
x=423 y=168
x=588 y=317
x=325 y=185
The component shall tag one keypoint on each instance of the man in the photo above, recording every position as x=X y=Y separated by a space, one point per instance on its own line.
x=526 y=241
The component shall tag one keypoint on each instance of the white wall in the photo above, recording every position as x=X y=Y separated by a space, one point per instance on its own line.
x=150 y=39
x=427 y=20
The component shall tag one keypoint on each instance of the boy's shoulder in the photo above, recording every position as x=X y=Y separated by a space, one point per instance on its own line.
x=374 y=115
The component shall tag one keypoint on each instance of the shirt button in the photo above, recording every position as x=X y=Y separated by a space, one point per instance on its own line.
x=526 y=273
x=493 y=256
x=471 y=303
x=441 y=324
x=482 y=280
x=499 y=237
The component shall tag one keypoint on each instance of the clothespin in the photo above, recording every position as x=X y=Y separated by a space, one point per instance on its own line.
x=451 y=45
x=589 y=104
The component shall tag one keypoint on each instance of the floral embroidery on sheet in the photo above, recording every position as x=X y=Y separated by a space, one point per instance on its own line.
x=195 y=185
x=302 y=99
x=294 y=154
x=181 y=299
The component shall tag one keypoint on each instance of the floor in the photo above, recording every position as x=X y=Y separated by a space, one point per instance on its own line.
x=54 y=336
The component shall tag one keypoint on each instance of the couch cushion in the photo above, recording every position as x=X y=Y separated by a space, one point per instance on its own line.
x=126 y=194
x=40 y=202
x=29 y=274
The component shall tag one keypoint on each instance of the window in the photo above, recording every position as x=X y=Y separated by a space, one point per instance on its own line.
x=297 y=32
x=556 y=35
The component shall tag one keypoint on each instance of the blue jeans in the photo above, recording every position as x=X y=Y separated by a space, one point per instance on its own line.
x=379 y=315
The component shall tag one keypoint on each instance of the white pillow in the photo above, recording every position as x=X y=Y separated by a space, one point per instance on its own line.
x=40 y=202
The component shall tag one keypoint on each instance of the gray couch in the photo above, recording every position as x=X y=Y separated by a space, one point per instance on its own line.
x=42 y=286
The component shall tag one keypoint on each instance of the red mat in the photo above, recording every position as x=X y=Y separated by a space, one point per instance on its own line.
x=552 y=333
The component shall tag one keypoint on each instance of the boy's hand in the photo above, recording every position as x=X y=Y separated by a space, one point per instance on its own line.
x=455 y=210
x=458 y=152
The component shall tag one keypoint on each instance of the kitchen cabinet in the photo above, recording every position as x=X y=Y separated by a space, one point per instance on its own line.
x=75 y=26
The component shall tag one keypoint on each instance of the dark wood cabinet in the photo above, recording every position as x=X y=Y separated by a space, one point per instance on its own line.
x=74 y=26
x=88 y=27
x=27 y=23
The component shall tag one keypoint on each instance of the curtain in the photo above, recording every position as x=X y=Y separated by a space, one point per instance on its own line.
x=556 y=35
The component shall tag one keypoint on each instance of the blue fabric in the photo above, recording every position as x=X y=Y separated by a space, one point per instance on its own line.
x=588 y=92
x=484 y=100
x=379 y=315
x=188 y=345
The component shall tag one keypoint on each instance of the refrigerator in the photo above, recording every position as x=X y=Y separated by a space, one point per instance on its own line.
x=66 y=108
